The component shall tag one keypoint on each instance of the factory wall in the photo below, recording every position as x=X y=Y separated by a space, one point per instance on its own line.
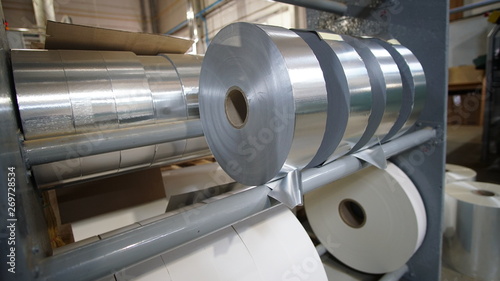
x=173 y=12
x=123 y=15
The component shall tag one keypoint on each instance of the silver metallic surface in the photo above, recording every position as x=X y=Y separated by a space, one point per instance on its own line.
x=107 y=94
x=349 y=93
x=387 y=89
x=90 y=91
x=133 y=99
x=474 y=246
x=188 y=68
x=285 y=99
x=196 y=147
x=48 y=150
x=104 y=257
x=414 y=87
x=168 y=101
x=39 y=78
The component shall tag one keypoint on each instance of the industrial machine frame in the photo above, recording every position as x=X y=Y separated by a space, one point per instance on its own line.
x=422 y=26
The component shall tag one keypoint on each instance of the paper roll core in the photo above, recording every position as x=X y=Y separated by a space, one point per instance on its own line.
x=482 y=192
x=236 y=107
x=352 y=213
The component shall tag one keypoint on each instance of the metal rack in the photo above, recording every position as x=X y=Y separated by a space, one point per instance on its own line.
x=420 y=25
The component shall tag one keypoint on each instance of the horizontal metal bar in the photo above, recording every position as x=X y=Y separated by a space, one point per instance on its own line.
x=473 y=6
x=323 y=5
x=49 y=150
x=318 y=177
x=109 y=255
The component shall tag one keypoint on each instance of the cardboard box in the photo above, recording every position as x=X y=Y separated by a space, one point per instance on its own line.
x=465 y=74
x=64 y=36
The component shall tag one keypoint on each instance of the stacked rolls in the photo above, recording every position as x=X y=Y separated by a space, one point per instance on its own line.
x=66 y=92
x=269 y=246
x=273 y=100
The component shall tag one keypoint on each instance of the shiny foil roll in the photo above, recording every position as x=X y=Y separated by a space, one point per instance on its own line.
x=90 y=91
x=39 y=77
x=349 y=94
x=474 y=247
x=263 y=101
x=169 y=103
x=387 y=89
x=454 y=173
x=414 y=87
x=109 y=90
x=188 y=68
x=372 y=221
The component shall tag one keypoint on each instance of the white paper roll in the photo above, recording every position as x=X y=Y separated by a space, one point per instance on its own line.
x=221 y=256
x=269 y=246
x=263 y=101
x=280 y=247
x=372 y=221
x=473 y=248
x=459 y=173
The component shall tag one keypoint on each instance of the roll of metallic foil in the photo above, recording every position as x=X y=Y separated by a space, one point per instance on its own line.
x=349 y=93
x=188 y=69
x=387 y=90
x=474 y=248
x=106 y=90
x=39 y=77
x=168 y=100
x=263 y=101
x=414 y=87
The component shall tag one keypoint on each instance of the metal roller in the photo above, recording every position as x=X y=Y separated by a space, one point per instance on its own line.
x=93 y=93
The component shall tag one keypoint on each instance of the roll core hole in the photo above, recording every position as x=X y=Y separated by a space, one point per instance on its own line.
x=236 y=107
x=482 y=192
x=352 y=213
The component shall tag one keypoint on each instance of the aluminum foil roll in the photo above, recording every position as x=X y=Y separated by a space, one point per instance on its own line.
x=387 y=90
x=188 y=69
x=474 y=247
x=90 y=91
x=414 y=87
x=349 y=93
x=263 y=101
x=39 y=77
x=106 y=90
x=168 y=100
